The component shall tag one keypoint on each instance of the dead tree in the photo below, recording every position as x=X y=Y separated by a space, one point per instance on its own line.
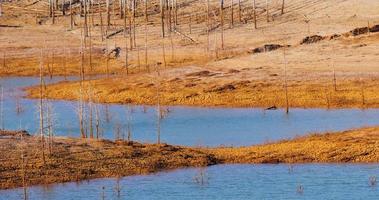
x=159 y=116
x=254 y=14
x=222 y=22
x=41 y=110
x=232 y=13
x=282 y=7
x=134 y=23
x=126 y=56
x=362 y=92
x=23 y=169
x=146 y=21
x=1 y=8
x=81 y=92
x=64 y=57
x=129 y=123
x=101 y=22
x=239 y=11
x=162 y=7
x=108 y=14
x=267 y=11
x=2 y=108
x=285 y=79
x=4 y=60
x=334 y=78
x=208 y=24
x=97 y=123
x=91 y=131
x=71 y=17
x=164 y=53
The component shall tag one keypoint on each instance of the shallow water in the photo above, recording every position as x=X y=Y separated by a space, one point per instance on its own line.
x=224 y=182
x=185 y=125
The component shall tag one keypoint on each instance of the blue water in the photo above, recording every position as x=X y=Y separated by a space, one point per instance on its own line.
x=185 y=125
x=223 y=182
x=209 y=127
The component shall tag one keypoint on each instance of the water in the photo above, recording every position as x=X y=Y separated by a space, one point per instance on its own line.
x=210 y=127
x=224 y=182
x=185 y=125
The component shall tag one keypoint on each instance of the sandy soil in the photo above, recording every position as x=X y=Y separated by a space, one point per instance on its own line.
x=232 y=76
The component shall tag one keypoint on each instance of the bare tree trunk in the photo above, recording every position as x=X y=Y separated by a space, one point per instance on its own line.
x=1 y=8
x=71 y=17
x=129 y=119
x=172 y=48
x=176 y=13
x=138 y=59
x=134 y=23
x=164 y=53
x=232 y=12
x=255 y=14
x=101 y=23
x=85 y=19
x=126 y=56
x=97 y=125
x=208 y=24
x=327 y=96
x=53 y=13
x=4 y=60
x=267 y=11
x=2 y=108
x=158 y=106
x=334 y=79
x=222 y=22
x=41 y=117
x=90 y=49
x=285 y=80
x=130 y=30
x=146 y=21
x=162 y=6
x=363 y=92
x=91 y=134
x=107 y=64
x=282 y=7
x=64 y=57
x=81 y=109
x=239 y=11
x=63 y=8
x=108 y=14
x=121 y=7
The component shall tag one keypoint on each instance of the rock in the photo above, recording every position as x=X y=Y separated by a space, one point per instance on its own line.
x=268 y=48
x=312 y=39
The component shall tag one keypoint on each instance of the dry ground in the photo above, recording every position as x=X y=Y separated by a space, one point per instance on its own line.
x=78 y=159
x=232 y=76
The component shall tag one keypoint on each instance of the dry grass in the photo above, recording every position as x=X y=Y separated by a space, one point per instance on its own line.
x=355 y=146
x=200 y=91
x=78 y=159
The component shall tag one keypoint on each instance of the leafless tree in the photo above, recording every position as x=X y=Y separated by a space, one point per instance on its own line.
x=255 y=14
x=158 y=109
x=2 y=108
x=285 y=79
x=41 y=108
x=222 y=22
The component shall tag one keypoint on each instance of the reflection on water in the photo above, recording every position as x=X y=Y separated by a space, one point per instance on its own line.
x=185 y=125
x=311 y=181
